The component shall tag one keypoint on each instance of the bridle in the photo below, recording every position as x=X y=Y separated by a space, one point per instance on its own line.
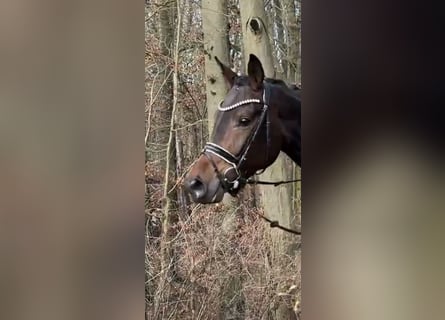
x=232 y=186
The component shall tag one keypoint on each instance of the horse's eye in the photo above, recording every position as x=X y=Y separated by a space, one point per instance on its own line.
x=244 y=121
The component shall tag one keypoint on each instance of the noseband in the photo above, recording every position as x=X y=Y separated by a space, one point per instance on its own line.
x=232 y=186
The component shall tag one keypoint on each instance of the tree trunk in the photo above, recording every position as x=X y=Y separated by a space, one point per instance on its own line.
x=293 y=41
x=214 y=23
x=168 y=137
x=162 y=109
x=277 y=32
x=255 y=34
x=216 y=43
x=276 y=201
x=292 y=20
x=182 y=199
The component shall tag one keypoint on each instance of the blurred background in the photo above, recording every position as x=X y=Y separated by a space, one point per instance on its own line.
x=72 y=196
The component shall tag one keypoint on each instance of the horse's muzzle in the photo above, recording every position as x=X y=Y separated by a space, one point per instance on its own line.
x=202 y=192
x=196 y=188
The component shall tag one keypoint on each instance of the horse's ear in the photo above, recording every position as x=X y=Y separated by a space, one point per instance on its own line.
x=228 y=74
x=255 y=72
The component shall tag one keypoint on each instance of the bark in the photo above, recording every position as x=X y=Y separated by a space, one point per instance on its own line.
x=293 y=41
x=166 y=248
x=293 y=75
x=279 y=36
x=256 y=34
x=276 y=201
x=183 y=200
x=216 y=43
x=163 y=109
x=214 y=23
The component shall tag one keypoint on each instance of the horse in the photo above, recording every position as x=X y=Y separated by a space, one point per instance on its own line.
x=258 y=118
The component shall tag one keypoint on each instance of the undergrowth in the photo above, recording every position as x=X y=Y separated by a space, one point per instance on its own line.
x=224 y=265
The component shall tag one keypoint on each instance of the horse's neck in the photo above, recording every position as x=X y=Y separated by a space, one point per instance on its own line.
x=292 y=147
x=291 y=121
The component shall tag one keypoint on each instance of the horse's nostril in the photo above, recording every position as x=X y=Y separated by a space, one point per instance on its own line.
x=194 y=183
x=197 y=188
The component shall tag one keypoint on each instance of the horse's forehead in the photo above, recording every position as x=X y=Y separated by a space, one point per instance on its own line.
x=224 y=118
x=237 y=94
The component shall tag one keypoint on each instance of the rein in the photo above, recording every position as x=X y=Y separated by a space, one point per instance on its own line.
x=274 y=183
x=275 y=224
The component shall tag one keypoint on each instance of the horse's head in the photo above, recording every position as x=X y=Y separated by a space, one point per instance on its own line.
x=246 y=137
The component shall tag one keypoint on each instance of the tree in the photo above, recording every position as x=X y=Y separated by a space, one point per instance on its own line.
x=277 y=35
x=214 y=24
x=216 y=43
x=292 y=18
x=168 y=136
x=278 y=202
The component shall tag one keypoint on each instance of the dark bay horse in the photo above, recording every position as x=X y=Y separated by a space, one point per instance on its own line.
x=258 y=118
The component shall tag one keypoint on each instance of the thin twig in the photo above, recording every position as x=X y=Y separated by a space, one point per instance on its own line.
x=180 y=179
